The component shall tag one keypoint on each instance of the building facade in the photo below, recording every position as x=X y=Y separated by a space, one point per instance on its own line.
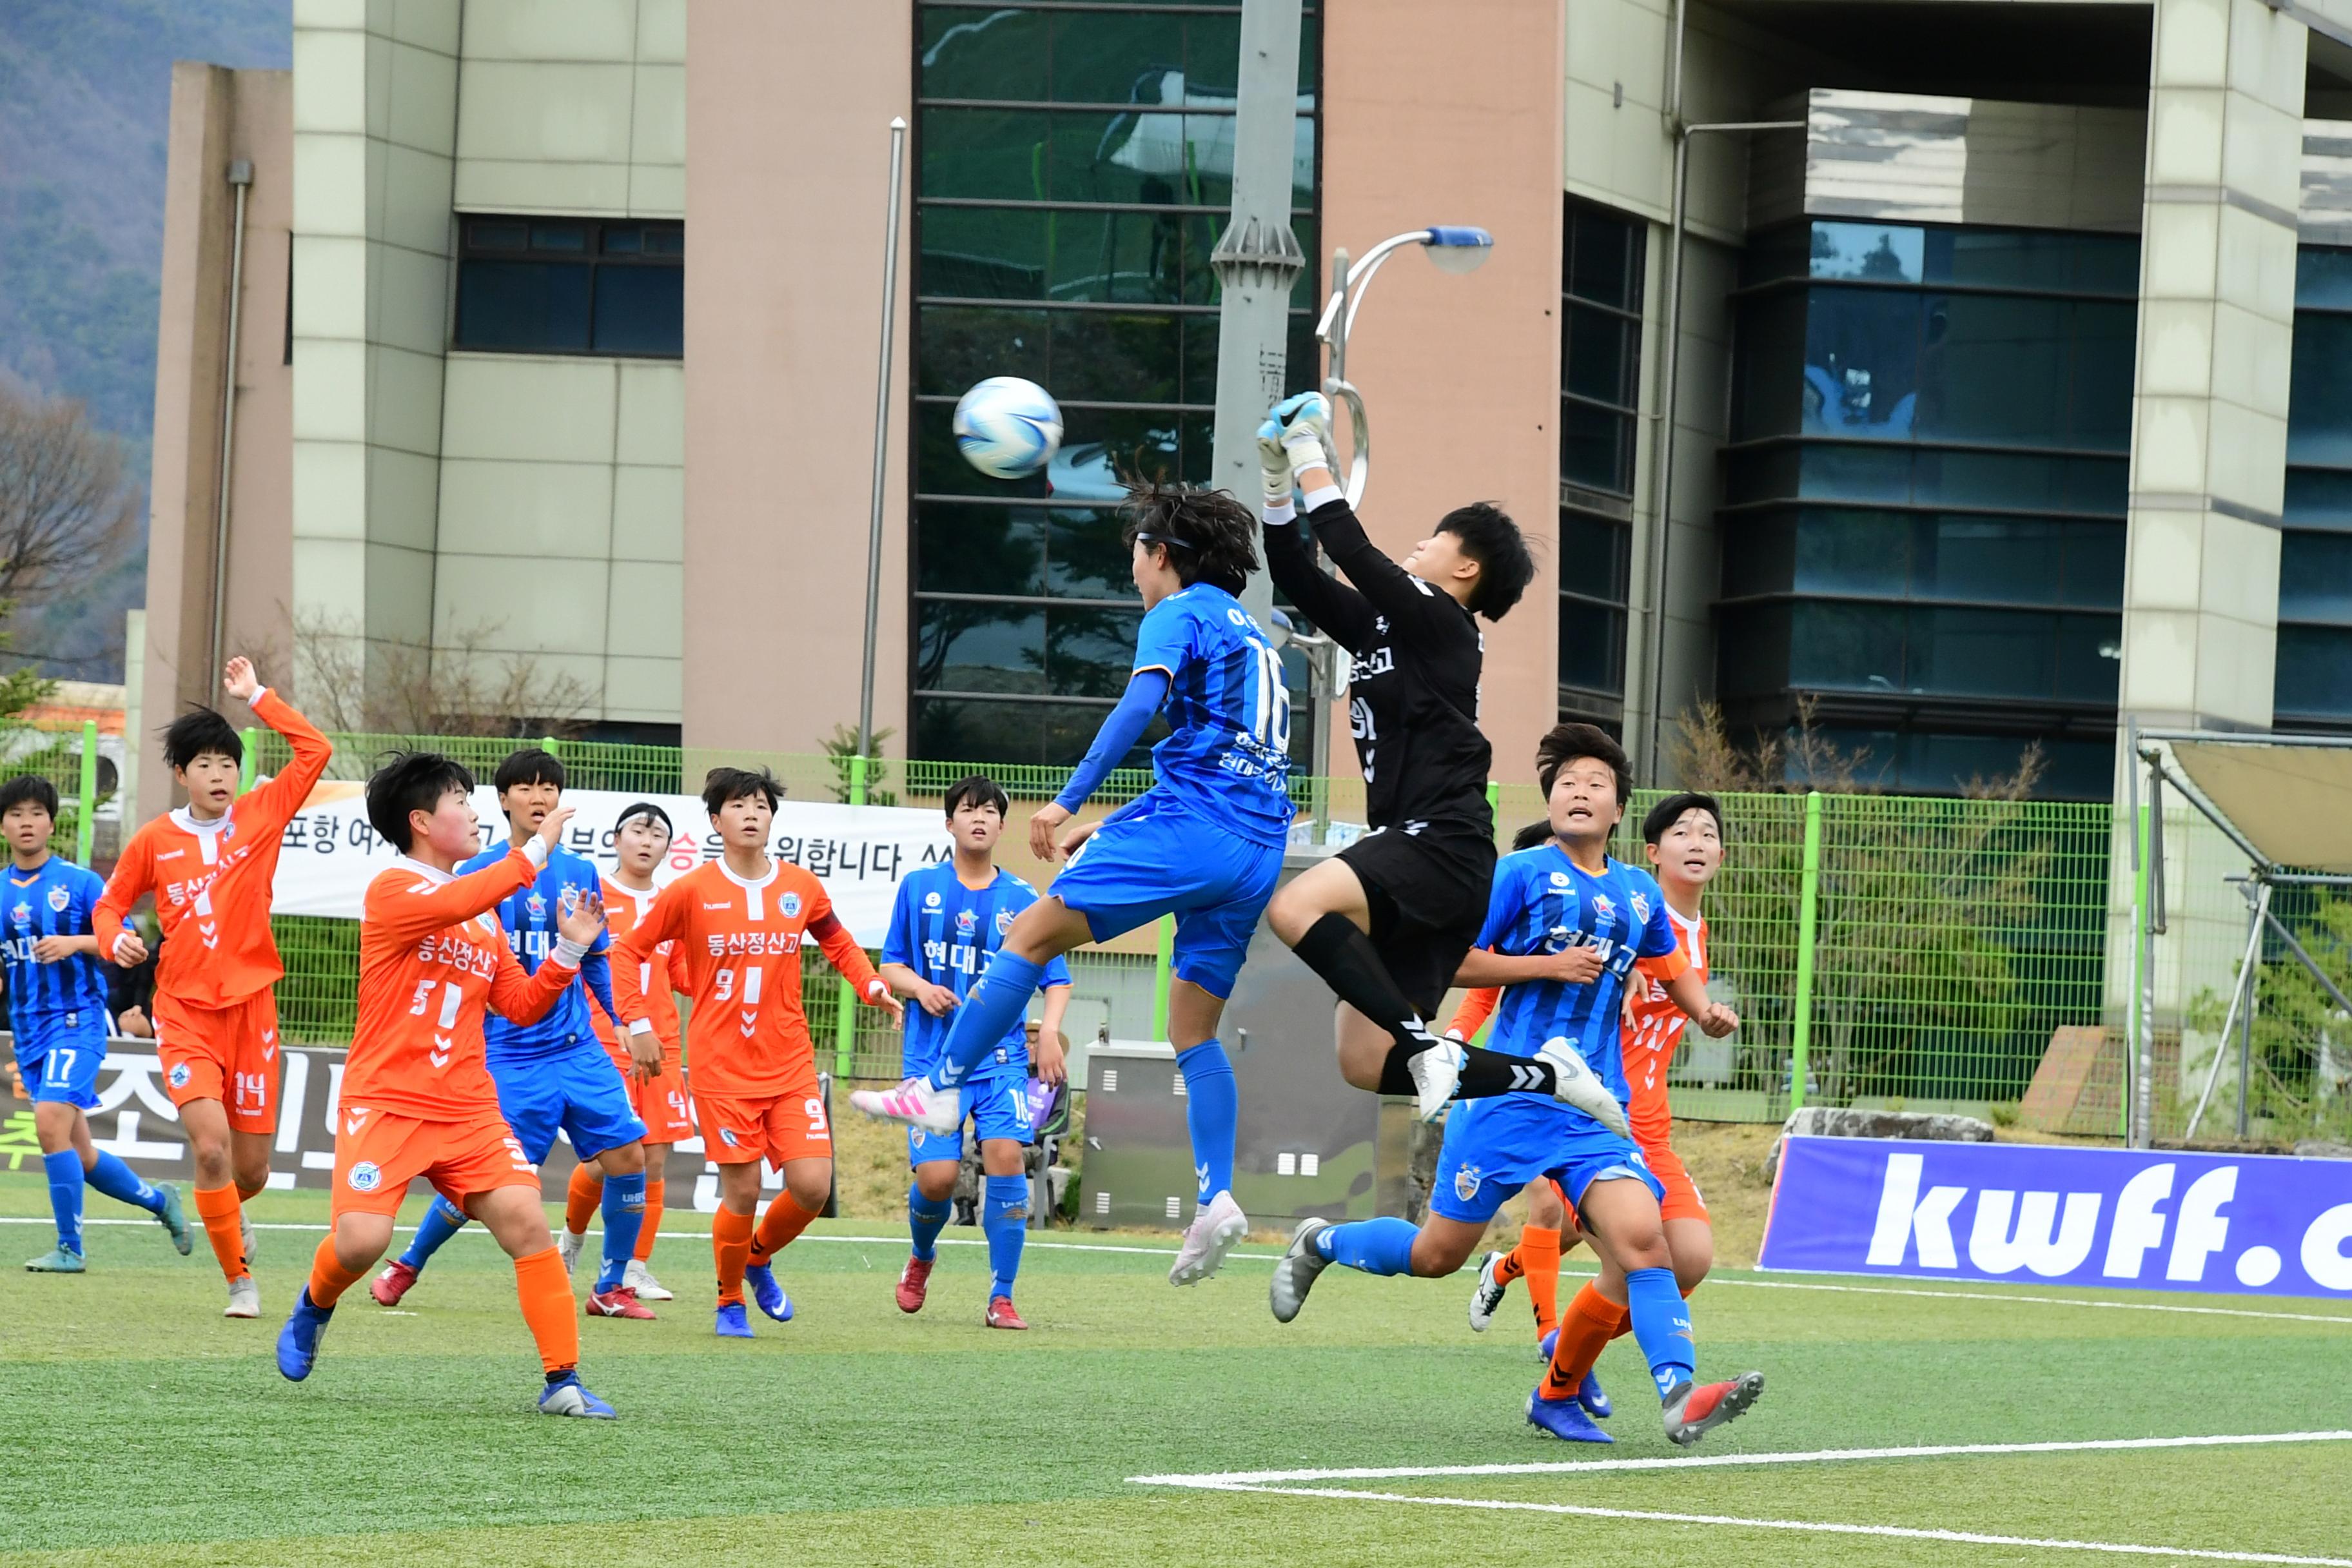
x=1957 y=379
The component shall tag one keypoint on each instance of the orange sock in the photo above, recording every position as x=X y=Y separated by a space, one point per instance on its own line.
x=784 y=1220
x=545 y=1291
x=581 y=1198
x=1590 y=1322
x=1538 y=1255
x=219 y=1209
x=328 y=1277
x=1508 y=1267
x=652 y=1226
x=730 y=1244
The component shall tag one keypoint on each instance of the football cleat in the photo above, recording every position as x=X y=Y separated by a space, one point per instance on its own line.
x=1217 y=1225
x=174 y=1218
x=567 y=1395
x=297 y=1342
x=640 y=1278
x=245 y=1234
x=1487 y=1297
x=1693 y=1410
x=56 y=1260
x=619 y=1302
x=390 y=1286
x=1295 y=1271
x=1564 y=1419
x=567 y=1248
x=1575 y=1083
x=914 y=1282
x=767 y=1293
x=732 y=1322
x=1596 y=1403
x=1001 y=1314
x=1437 y=1074
x=914 y=1103
x=244 y=1298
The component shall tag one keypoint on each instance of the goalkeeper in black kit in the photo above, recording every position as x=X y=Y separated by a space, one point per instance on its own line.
x=1386 y=922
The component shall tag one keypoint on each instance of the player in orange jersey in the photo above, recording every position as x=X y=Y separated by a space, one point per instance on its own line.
x=1682 y=835
x=740 y=921
x=657 y=1087
x=417 y=1099
x=210 y=864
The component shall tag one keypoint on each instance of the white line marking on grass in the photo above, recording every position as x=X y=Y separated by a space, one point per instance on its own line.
x=1215 y=1480
x=1810 y=1527
x=2045 y=1300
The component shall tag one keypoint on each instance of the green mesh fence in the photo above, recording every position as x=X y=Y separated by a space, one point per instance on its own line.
x=66 y=758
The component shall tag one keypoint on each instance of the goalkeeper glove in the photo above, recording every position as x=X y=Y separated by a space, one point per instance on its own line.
x=1306 y=422
x=1274 y=463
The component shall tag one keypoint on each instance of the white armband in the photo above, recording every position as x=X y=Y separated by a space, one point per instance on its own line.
x=642 y=1026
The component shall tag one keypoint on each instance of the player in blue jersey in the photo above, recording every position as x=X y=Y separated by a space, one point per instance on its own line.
x=1204 y=843
x=554 y=1074
x=56 y=1012
x=1565 y=926
x=948 y=921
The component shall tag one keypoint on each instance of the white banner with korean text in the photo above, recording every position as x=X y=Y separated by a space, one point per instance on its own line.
x=859 y=852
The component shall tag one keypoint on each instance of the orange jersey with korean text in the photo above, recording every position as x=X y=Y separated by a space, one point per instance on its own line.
x=212 y=879
x=432 y=957
x=1654 y=1028
x=739 y=945
x=624 y=908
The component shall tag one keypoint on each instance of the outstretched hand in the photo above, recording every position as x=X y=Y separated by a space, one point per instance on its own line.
x=238 y=679
x=581 y=918
x=551 y=831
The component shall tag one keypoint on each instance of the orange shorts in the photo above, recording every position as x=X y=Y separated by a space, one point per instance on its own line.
x=1682 y=1200
x=377 y=1154
x=661 y=1103
x=228 y=1054
x=776 y=1127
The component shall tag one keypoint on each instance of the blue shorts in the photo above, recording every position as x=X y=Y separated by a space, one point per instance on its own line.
x=997 y=1107
x=59 y=1055
x=578 y=1089
x=1495 y=1147
x=1152 y=857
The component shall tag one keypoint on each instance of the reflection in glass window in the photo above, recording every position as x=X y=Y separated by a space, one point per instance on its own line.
x=2312 y=685
x=570 y=286
x=1601 y=289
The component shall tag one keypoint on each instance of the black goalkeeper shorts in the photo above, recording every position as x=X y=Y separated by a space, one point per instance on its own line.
x=1428 y=892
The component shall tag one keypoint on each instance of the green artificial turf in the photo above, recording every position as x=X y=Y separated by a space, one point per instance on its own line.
x=139 y=1426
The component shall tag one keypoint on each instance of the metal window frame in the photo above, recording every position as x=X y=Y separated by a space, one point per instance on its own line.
x=590 y=260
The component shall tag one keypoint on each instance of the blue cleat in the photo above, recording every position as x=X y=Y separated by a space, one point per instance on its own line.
x=56 y=1260
x=1564 y=1419
x=297 y=1342
x=1543 y=1346
x=761 y=1278
x=567 y=1395
x=175 y=1218
x=1596 y=1403
x=731 y=1323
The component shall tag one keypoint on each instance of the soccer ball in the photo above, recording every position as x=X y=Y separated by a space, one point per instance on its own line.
x=1008 y=429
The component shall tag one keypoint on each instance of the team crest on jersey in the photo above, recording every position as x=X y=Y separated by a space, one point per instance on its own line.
x=1641 y=909
x=789 y=906
x=931 y=899
x=727 y=1136
x=180 y=1075
x=59 y=898
x=1003 y=921
x=23 y=914
x=966 y=923
x=1559 y=879
x=535 y=905
x=365 y=1177
x=568 y=900
x=1602 y=909
x=1465 y=1182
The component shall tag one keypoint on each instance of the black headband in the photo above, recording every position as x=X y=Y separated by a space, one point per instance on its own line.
x=1145 y=536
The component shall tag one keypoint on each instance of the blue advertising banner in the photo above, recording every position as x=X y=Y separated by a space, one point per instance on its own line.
x=2236 y=1224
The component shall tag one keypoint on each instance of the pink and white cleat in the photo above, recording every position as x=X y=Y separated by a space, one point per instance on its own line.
x=914 y=1103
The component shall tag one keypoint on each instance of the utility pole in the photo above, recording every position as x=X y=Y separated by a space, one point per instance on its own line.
x=1258 y=257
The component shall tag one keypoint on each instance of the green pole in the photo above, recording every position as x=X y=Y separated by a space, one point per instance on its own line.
x=251 y=736
x=2141 y=919
x=1163 y=970
x=1808 y=916
x=85 y=823
x=844 y=1016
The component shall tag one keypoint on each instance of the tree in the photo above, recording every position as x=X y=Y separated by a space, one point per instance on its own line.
x=68 y=507
x=459 y=687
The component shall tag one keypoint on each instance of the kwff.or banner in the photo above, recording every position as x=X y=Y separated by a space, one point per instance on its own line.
x=2235 y=1224
x=859 y=852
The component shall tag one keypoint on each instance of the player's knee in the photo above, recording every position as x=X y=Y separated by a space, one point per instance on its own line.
x=629 y=1160
x=936 y=1181
x=810 y=1190
x=1434 y=1258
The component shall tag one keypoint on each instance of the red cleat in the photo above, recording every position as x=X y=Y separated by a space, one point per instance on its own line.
x=914 y=1281
x=390 y=1286
x=620 y=1301
x=1001 y=1314
x=1692 y=1412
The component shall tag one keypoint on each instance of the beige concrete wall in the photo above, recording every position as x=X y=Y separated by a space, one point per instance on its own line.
x=217 y=115
x=572 y=107
x=1460 y=376
x=781 y=317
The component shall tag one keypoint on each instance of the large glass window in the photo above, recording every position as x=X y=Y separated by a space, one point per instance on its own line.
x=1599 y=422
x=2312 y=685
x=1073 y=174
x=1926 y=486
x=570 y=286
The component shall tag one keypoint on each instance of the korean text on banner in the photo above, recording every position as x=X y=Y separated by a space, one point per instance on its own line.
x=2229 y=1224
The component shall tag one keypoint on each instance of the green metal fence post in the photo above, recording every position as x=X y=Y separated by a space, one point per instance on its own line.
x=844 y=1017
x=86 y=813
x=2141 y=918
x=251 y=738
x=1163 y=970
x=1808 y=912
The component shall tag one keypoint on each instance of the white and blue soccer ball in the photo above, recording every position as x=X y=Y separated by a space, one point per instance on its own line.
x=1008 y=429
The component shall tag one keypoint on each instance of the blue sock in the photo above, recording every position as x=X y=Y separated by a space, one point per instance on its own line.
x=1004 y=1219
x=925 y=1220
x=440 y=1222
x=120 y=1181
x=1212 y=1113
x=989 y=1011
x=625 y=1215
x=1374 y=1246
x=65 y=1195
x=1662 y=1325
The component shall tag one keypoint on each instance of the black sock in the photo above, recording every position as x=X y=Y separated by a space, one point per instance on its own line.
x=1349 y=964
x=1486 y=1073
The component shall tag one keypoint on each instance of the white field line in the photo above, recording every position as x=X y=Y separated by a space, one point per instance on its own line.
x=1713 y=1281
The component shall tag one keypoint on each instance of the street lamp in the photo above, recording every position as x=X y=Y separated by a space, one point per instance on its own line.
x=1453 y=247
x=1322 y=686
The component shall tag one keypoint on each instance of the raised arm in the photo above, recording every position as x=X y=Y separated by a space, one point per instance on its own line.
x=403 y=913
x=1300 y=429
x=283 y=796
x=1334 y=607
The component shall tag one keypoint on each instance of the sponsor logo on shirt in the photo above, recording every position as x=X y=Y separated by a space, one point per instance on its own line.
x=966 y=923
x=22 y=913
x=931 y=900
x=1559 y=879
x=535 y=904
x=1602 y=909
x=365 y=1176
